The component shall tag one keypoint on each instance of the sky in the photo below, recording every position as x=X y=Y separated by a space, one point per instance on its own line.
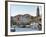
x=24 y=9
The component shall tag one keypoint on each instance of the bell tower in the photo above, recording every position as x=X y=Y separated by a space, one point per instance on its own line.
x=38 y=11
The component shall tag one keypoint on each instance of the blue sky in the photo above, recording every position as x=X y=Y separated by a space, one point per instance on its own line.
x=24 y=9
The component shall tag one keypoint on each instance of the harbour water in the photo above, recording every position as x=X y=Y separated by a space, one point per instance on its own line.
x=33 y=27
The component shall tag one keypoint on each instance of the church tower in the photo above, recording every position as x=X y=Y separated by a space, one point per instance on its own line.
x=38 y=11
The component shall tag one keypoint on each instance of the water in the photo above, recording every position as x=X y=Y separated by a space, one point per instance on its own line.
x=32 y=27
x=25 y=29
